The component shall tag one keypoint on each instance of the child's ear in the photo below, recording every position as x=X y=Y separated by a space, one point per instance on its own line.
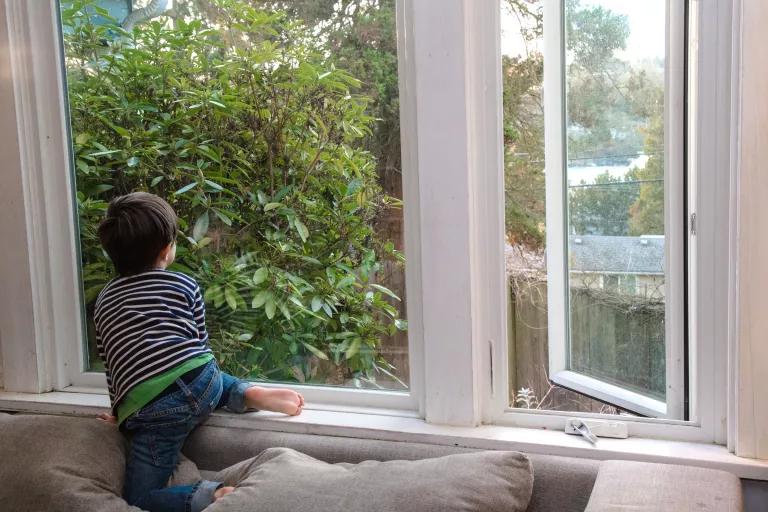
x=165 y=252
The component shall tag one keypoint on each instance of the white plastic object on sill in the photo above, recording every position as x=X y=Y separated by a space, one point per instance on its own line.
x=584 y=430
x=598 y=428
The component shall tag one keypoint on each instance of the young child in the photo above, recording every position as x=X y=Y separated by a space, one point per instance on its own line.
x=162 y=377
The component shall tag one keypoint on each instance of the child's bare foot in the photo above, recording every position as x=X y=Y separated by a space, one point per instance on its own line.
x=221 y=492
x=276 y=400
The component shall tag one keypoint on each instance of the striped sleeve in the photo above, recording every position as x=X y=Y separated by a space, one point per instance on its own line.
x=199 y=311
x=103 y=357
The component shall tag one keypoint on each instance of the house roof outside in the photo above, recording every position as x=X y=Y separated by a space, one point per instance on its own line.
x=617 y=254
x=635 y=255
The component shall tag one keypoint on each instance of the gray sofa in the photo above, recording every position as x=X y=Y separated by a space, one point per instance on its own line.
x=64 y=464
x=561 y=484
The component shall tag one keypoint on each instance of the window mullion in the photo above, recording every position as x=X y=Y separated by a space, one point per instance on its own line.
x=458 y=154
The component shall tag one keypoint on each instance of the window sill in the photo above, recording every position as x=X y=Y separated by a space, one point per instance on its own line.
x=394 y=425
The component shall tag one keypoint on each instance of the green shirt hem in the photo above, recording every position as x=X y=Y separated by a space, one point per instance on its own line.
x=146 y=391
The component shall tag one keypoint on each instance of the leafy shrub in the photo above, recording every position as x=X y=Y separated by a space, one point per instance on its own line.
x=253 y=136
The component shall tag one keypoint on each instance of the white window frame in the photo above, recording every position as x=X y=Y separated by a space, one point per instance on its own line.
x=558 y=273
x=450 y=88
x=709 y=154
x=55 y=333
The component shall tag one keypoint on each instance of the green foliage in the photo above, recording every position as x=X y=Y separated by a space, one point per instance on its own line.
x=602 y=122
x=602 y=208
x=523 y=116
x=647 y=212
x=254 y=136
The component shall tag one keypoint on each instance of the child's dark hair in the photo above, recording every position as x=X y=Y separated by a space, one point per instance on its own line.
x=137 y=227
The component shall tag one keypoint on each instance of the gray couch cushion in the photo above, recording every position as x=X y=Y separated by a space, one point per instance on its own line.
x=289 y=481
x=61 y=464
x=646 y=487
x=561 y=484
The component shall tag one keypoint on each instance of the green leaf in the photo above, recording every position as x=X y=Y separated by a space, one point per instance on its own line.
x=82 y=138
x=296 y=301
x=309 y=259
x=214 y=185
x=260 y=276
x=201 y=227
x=346 y=281
x=98 y=189
x=385 y=291
x=92 y=292
x=270 y=307
x=245 y=336
x=217 y=296
x=353 y=187
x=104 y=153
x=302 y=229
x=156 y=180
x=272 y=206
x=401 y=324
x=223 y=217
x=260 y=299
x=284 y=310
x=230 y=294
x=316 y=351
x=317 y=303
x=185 y=188
x=133 y=161
x=353 y=349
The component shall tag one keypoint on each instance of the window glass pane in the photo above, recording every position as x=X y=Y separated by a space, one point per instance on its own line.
x=272 y=129
x=614 y=80
x=615 y=173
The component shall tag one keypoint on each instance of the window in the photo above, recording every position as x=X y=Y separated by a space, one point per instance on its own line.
x=474 y=117
x=587 y=266
x=272 y=129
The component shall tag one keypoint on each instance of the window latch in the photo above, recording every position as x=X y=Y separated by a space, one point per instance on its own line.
x=581 y=428
x=592 y=429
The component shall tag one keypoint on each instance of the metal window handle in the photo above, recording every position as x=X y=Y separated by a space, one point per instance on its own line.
x=585 y=432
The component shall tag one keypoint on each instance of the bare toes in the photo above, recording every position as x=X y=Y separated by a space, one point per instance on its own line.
x=222 y=491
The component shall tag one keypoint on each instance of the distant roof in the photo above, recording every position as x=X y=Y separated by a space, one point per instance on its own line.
x=619 y=254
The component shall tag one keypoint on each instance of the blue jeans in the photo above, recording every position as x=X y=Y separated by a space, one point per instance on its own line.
x=158 y=432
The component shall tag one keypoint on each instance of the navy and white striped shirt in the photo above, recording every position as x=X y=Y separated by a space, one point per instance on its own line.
x=146 y=324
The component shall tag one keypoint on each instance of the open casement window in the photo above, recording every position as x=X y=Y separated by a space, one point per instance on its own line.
x=616 y=285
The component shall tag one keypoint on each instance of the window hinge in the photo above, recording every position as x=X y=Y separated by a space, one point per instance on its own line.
x=693 y=224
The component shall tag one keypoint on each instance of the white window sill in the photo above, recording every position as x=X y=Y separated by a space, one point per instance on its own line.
x=393 y=425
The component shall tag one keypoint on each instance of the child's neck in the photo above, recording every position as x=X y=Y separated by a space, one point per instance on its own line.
x=160 y=265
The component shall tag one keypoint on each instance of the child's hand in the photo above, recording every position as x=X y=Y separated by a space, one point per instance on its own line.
x=107 y=418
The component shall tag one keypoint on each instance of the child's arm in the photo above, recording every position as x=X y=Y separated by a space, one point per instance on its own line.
x=198 y=309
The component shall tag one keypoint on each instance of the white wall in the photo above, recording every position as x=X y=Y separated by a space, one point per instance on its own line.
x=752 y=271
